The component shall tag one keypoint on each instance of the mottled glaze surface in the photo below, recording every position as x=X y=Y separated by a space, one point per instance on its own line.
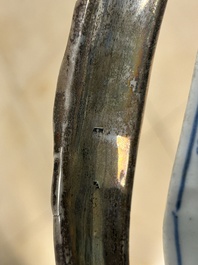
x=97 y=116
x=181 y=218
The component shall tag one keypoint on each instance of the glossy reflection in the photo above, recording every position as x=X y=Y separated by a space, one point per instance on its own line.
x=97 y=116
x=123 y=145
x=143 y=3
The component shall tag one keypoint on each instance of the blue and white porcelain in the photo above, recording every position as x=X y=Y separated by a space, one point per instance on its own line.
x=181 y=217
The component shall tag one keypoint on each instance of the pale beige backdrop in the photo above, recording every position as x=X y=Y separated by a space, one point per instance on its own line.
x=32 y=43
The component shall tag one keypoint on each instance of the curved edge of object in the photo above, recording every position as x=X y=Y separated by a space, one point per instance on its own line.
x=95 y=51
x=180 y=228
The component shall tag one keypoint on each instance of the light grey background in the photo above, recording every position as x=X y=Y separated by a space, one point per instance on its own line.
x=32 y=43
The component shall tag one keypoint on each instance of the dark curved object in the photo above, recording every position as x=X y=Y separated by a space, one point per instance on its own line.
x=97 y=116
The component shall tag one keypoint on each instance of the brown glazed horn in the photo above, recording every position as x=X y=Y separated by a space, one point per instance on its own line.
x=97 y=116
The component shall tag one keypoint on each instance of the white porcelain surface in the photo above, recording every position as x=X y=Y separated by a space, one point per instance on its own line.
x=181 y=218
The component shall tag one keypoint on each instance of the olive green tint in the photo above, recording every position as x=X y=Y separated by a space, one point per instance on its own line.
x=97 y=117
